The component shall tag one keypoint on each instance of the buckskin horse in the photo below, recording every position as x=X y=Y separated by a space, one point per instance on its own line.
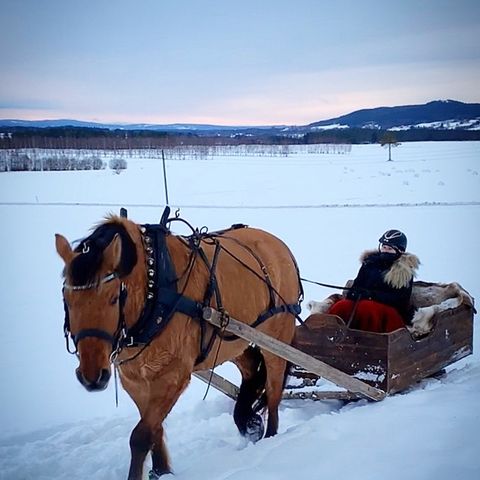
x=134 y=296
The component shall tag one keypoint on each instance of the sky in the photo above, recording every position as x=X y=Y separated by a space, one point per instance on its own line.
x=230 y=62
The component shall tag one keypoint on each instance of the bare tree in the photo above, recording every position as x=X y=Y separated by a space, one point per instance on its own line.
x=389 y=140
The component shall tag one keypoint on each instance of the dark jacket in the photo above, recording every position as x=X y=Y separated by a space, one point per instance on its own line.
x=386 y=278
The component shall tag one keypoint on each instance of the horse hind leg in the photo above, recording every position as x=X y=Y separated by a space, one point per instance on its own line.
x=252 y=368
x=277 y=371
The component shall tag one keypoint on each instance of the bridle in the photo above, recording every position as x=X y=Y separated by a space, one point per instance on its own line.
x=120 y=332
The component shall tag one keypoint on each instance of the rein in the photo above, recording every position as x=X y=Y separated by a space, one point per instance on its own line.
x=338 y=287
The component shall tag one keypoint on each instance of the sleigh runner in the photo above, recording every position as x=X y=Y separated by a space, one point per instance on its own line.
x=365 y=364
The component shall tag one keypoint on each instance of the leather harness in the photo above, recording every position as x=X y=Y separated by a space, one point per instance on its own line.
x=163 y=299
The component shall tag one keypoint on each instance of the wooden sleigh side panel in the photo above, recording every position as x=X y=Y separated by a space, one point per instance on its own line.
x=355 y=352
x=391 y=362
x=412 y=360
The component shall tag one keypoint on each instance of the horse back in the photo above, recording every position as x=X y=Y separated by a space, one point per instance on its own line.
x=274 y=259
x=252 y=269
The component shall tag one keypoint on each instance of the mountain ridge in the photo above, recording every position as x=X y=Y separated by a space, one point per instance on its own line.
x=437 y=114
x=398 y=116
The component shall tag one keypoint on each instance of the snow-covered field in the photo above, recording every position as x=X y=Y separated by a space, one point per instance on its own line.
x=328 y=208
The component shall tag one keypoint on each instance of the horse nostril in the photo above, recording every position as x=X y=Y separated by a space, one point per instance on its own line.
x=99 y=384
x=80 y=376
x=104 y=377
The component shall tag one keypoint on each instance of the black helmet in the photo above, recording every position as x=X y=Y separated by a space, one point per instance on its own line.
x=395 y=239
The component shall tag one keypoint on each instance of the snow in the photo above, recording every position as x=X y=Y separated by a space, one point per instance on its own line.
x=332 y=126
x=470 y=124
x=328 y=208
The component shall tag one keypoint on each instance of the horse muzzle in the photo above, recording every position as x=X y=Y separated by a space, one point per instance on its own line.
x=100 y=383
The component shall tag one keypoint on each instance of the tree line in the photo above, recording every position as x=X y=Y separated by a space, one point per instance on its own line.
x=105 y=139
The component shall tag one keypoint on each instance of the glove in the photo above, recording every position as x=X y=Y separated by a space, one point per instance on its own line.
x=359 y=293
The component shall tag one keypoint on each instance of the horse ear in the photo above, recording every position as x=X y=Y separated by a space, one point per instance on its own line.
x=113 y=253
x=63 y=248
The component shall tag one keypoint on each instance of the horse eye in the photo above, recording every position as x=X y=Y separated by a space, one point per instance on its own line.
x=114 y=300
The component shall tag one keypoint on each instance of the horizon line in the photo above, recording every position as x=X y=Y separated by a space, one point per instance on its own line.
x=243 y=125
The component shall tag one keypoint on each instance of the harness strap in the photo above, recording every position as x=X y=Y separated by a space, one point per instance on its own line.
x=263 y=268
x=169 y=302
x=293 y=308
x=212 y=289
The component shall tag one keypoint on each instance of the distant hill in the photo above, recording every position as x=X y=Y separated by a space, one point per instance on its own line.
x=439 y=114
x=446 y=114
x=433 y=121
x=200 y=129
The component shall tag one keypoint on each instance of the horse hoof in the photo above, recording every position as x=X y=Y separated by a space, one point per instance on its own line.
x=255 y=428
x=153 y=475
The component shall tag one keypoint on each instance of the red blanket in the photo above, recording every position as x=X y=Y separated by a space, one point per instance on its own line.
x=369 y=315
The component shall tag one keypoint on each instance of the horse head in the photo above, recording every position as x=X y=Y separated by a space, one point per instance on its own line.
x=94 y=296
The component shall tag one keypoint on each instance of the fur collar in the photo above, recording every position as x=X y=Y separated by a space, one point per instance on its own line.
x=402 y=271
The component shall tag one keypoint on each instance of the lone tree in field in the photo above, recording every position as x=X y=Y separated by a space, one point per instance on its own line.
x=390 y=140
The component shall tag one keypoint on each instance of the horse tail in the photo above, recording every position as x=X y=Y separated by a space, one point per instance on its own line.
x=262 y=400
x=252 y=396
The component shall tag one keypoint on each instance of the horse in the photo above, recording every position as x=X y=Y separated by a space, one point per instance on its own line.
x=134 y=296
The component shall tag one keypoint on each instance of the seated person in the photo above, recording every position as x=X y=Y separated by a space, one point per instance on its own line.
x=379 y=298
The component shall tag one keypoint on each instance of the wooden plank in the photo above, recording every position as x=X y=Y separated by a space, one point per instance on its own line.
x=231 y=390
x=217 y=381
x=291 y=354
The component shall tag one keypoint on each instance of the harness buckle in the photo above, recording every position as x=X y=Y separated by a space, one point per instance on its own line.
x=224 y=319
x=114 y=356
x=67 y=343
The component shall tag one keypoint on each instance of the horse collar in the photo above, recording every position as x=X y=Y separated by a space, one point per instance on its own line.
x=152 y=272
x=162 y=298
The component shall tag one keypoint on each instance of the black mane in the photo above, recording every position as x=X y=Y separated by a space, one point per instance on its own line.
x=84 y=267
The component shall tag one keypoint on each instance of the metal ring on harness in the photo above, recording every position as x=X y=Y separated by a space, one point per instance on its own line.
x=224 y=319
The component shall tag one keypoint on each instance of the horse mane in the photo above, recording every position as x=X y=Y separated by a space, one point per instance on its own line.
x=84 y=267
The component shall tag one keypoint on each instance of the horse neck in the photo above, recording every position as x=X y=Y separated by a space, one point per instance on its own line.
x=180 y=254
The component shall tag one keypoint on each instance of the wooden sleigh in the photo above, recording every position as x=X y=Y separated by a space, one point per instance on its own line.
x=365 y=364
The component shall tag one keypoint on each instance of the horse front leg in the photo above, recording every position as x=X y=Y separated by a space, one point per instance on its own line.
x=164 y=394
x=143 y=440
x=160 y=458
x=140 y=445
